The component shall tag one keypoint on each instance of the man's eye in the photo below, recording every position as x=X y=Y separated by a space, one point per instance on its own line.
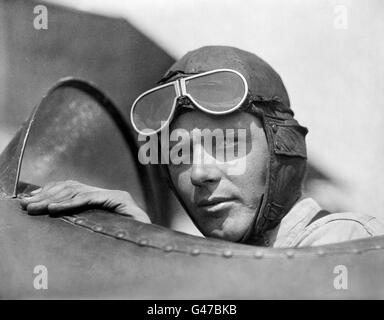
x=231 y=142
x=231 y=148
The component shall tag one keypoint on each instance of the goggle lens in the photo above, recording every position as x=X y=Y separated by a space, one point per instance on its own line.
x=218 y=92
x=153 y=108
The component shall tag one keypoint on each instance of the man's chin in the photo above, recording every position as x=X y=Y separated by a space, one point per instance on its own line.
x=225 y=235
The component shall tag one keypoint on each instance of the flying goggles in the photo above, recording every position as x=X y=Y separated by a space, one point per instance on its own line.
x=218 y=92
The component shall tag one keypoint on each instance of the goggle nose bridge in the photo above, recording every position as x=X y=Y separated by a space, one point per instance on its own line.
x=182 y=96
x=181 y=89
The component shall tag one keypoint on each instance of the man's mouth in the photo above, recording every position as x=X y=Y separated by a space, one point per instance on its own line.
x=216 y=203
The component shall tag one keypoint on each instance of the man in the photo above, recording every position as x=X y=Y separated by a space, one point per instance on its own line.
x=254 y=198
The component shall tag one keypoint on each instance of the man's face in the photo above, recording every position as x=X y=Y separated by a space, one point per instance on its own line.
x=221 y=200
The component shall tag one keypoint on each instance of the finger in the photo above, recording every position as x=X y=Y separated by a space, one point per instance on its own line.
x=38 y=208
x=62 y=195
x=56 y=185
x=77 y=202
x=50 y=185
x=36 y=191
x=33 y=196
x=25 y=201
x=39 y=203
x=54 y=192
x=42 y=206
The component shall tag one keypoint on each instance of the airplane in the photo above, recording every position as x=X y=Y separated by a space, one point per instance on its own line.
x=76 y=131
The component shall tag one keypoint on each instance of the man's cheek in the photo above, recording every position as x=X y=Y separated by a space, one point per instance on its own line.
x=184 y=184
x=236 y=167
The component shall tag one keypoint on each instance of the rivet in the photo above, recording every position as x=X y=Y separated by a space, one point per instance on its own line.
x=227 y=254
x=357 y=251
x=120 y=234
x=143 y=242
x=277 y=146
x=195 y=251
x=274 y=128
x=79 y=221
x=98 y=228
x=290 y=253
x=377 y=246
x=258 y=254
x=168 y=248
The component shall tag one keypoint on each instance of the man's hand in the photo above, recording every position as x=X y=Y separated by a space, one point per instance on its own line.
x=60 y=197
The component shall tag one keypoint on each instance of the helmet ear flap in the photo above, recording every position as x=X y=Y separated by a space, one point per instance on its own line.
x=286 y=170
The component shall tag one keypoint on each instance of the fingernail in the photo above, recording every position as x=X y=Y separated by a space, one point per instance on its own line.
x=36 y=191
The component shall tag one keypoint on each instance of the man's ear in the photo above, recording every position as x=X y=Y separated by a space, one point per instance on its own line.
x=257 y=130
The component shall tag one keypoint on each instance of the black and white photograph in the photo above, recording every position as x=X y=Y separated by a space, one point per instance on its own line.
x=198 y=150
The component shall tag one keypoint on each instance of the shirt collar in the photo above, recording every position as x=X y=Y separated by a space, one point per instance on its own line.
x=293 y=223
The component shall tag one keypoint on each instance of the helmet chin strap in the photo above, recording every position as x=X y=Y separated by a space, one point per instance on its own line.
x=248 y=234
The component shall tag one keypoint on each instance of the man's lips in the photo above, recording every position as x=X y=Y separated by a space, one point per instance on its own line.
x=211 y=202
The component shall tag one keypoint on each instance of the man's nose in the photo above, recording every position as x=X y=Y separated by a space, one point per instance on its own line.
x=204 y=168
